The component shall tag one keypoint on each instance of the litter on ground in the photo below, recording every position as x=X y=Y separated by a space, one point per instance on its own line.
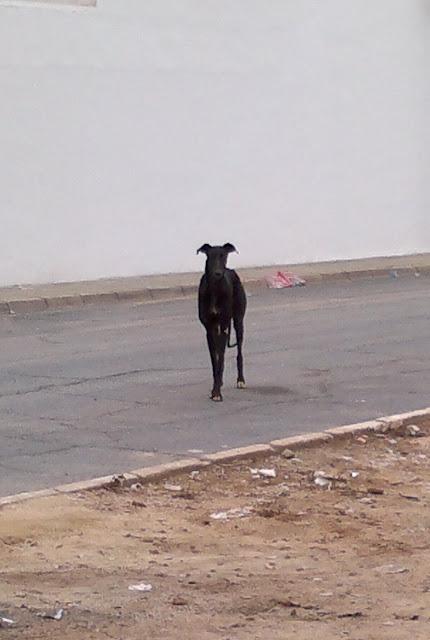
x=231 y=556
x=284 y=280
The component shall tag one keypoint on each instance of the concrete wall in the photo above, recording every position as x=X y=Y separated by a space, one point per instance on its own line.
x=132 y=132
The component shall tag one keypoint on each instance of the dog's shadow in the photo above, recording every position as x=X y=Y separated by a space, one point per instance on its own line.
x=268 y=390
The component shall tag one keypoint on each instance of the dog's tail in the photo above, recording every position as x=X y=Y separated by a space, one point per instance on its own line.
x=230 y=346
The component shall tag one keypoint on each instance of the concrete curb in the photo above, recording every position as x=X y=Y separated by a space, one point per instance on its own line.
x=163 y=294
x=253 y=452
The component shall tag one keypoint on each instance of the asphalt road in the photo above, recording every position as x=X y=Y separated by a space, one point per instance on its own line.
x=100 y=390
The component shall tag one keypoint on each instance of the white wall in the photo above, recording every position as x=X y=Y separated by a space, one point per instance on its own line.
x=133 y=132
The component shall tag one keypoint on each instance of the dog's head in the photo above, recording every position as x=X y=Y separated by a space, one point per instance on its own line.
x=216 y=259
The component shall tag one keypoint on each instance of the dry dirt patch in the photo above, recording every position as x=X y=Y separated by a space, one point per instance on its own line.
x=345 y=558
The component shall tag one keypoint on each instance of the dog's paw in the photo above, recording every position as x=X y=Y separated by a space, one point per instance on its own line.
x=216 y=397
x=241 y=384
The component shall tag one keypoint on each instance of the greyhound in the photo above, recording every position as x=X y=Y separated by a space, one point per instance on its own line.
x=221 y=299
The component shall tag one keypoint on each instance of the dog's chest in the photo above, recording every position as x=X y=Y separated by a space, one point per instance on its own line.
x=214 y=308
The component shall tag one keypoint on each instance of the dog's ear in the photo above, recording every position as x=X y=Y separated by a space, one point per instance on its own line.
x=230 y=248
x=204 y=248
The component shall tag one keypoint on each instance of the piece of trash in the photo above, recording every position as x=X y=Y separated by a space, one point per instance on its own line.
x=414 y=431
x=52 y=615
x=392 y=441
x=59 y=614
x=142 y=587
x=355 y=474
x=321 y=479
x=136 y=486
x=347 y=458
x=284 y=280
x=375 y=491
x=267 y=473
x=391 y=569
x=409 y=497
x=173 y=487
x=232 y=513
x=322 y=482
x=194 y=474
x=362 y=440
x=6 y=621
x=264 y=473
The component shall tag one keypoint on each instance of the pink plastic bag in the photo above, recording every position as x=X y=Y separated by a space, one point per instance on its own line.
x=284 y=280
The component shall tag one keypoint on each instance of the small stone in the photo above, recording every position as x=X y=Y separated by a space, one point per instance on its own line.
x=137 y=486
x=413 y=431
x=288 y=454
x=391 y=569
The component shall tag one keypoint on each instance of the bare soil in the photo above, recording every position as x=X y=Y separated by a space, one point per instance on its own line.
x=345 y=560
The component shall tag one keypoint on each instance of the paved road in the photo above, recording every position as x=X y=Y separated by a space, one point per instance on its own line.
x=101 y=390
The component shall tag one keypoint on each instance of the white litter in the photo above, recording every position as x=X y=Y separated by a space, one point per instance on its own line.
x=322 y=479
x=6 y=621
x=354 y=474
x=243 y=512
x=263 y=473
x=173 y=487
x=322 y=482
x=54 y=615
x=58 y=615
x=142 y=587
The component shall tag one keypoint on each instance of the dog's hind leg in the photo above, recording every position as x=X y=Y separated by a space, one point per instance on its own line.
x=238 y=327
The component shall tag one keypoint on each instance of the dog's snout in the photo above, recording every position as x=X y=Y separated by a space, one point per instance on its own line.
x=218 y=274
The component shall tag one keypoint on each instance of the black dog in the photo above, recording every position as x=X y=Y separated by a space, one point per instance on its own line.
x=221 y=300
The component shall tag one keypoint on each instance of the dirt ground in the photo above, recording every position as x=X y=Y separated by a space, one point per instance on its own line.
x=348 y=559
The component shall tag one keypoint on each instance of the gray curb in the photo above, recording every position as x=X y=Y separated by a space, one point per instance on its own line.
x=253 y=452
x=164 y=294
